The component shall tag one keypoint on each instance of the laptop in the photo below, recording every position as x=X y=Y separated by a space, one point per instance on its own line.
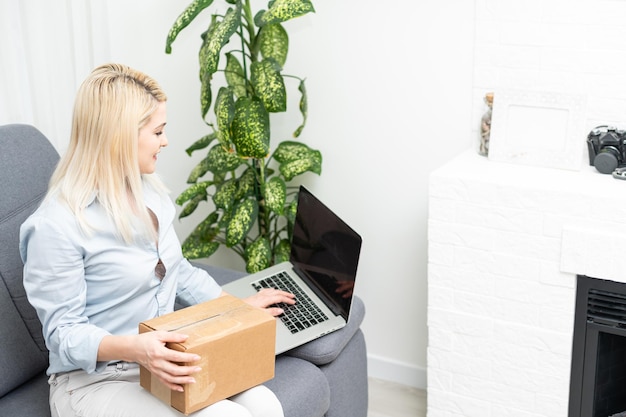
x=321 y=272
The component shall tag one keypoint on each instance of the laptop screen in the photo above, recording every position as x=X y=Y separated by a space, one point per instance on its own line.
x=326 y=251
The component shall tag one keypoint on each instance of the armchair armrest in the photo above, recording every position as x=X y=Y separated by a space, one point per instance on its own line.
x=221 y=275
x=325 y=349
x=320 y=351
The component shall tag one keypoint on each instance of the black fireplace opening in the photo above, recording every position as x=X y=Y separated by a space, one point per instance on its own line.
x=598 y=371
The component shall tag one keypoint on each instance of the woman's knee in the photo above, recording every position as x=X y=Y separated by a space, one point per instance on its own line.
x=260 y=401
x=223 y=408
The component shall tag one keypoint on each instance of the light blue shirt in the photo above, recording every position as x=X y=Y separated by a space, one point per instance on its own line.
x=85 y=287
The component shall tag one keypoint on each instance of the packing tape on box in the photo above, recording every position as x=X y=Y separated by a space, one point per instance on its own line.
x=163 y=393
x=206 y=389
x=228 y=321
x=205 y=319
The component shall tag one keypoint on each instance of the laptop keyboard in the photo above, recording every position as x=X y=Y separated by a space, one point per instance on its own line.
x=300 y=316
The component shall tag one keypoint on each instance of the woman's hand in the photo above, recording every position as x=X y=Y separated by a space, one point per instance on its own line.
x=267 y=298
x=163 y=362
x=149 y=350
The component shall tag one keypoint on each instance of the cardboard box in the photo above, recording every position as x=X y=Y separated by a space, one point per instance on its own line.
x=236 y=343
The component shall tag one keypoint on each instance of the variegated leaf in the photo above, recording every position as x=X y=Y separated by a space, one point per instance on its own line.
x=304 y=109
x=243 y=218
x=274 y=193
x=225 y=195
x=290 y=213
x=258 y=255
x=274 y=43
x=183 y=21
x=290 y=150
x=200 y=244
x=312 y=162
x=283 y=10
x=213 y=40
x=201 y=143
x=251 y=128
x=192 y=191
x=268 y=84
x=247 y=182
x=235 y=76
x=224 y=112
x=196 y=249
x=198 y=171
x=220 y=160
x=217 y=36
x=282 y=251
x=192 y=205
x=208 y=65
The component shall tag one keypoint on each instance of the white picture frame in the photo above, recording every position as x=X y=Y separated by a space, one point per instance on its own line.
x=538 y=128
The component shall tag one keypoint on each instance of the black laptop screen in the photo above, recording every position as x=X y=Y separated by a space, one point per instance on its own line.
x=326 y=251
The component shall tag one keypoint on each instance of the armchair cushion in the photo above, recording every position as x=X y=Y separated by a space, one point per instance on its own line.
x=23 y=352
x=20 y=198
x=28 y=400
x=293 y=377
x=326 y=349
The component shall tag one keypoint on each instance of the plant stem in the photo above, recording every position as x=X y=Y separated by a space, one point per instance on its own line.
x=247 y=12
x=263 y=218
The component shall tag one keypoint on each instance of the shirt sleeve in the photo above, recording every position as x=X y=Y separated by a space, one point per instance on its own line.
x=54 y=280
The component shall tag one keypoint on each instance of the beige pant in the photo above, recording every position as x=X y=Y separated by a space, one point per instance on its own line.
x=116 y=393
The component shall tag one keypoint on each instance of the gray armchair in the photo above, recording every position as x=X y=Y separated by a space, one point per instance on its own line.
x=327 y=377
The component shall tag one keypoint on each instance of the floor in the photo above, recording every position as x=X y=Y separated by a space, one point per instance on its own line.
x=388 y=399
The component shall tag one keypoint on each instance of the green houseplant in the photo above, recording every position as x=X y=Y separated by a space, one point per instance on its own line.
x=248 y=182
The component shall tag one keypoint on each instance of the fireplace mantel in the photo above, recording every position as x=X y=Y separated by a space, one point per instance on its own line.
x=505 y=244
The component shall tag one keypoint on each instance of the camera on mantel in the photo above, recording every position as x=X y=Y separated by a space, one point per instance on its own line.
x=607 y=148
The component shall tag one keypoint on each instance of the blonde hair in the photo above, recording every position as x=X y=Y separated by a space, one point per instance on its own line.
x=111 y=105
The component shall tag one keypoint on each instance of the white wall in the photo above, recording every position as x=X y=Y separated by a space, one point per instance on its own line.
x=395 y=91
x=560 y=46
x=390 y=90
x=390 y=99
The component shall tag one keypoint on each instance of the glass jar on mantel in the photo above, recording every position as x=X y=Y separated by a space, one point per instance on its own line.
x=485 y=126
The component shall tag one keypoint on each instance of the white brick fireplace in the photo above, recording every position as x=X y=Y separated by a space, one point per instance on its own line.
x=505 y=244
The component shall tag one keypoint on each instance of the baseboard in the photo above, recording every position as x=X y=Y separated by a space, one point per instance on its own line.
x=401 y=373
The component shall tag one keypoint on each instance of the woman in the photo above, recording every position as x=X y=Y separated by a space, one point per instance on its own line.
x=101 y=255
